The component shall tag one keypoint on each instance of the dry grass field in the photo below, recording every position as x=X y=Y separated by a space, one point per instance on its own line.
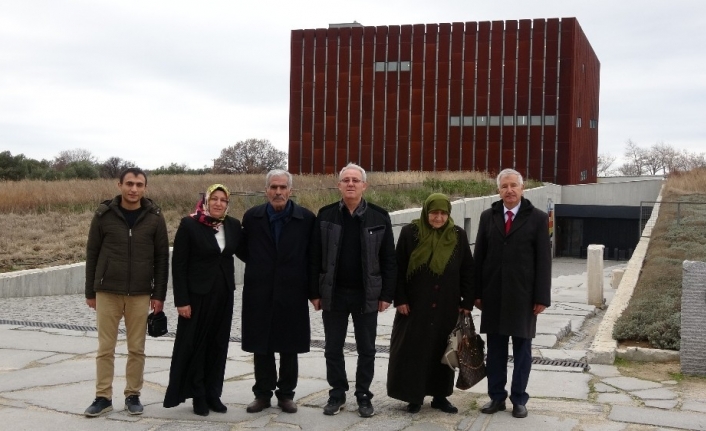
x=45 y=223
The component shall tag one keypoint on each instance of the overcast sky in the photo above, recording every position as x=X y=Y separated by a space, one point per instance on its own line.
x=160 y=82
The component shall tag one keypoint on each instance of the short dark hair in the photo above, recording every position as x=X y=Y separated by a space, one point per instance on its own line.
x=135 y=171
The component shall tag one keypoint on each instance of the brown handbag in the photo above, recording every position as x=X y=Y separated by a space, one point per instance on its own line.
x=471 y=355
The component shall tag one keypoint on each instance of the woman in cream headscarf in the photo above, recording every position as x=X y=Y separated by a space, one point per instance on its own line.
x=203 y=279
x=434 y=282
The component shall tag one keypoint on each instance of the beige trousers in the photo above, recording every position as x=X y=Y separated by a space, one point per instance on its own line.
x=110 y=308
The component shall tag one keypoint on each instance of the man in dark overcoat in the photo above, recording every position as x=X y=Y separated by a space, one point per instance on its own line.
x=275 y=311
x=513 y=285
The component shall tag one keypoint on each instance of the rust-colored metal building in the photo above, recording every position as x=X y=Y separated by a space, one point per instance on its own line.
x=434 y=97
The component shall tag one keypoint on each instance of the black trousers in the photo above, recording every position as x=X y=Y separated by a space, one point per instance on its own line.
x=496 y=368
x=349 y=302
x=266 y=380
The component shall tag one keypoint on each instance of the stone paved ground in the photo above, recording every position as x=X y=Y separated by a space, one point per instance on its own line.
x=46 y=379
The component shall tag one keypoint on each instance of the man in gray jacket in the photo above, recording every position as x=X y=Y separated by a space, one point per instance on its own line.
x=354 y=271
x=127 y=267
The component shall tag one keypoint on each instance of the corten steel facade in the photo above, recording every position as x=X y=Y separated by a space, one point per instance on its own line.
x=461 y=96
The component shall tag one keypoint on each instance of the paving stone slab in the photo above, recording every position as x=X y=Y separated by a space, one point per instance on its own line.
x=40 y=341
x=578 y=408
x=54 y=374
x=696 y=406
x=610 y=398
x=186 y=426
x=503 y=421
x=658 y=417
x=45 y=420
x=603 y=426
x=661 y=404
x=603 y=388
x=604 y=370
x=18 y=359
x=544 y=341
x=75 y=398
x=655 y=394
x=559 y=354
x=631 y=383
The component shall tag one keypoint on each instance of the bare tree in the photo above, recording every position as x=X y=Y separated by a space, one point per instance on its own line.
x=252 y=156
x=635 y=157
x=67 y=157
x=605 y=161
x=113 y=166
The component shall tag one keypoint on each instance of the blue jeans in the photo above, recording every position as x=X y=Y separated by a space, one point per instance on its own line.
x=349 y=302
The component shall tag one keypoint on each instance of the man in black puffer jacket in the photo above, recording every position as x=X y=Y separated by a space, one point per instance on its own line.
x=354 y=272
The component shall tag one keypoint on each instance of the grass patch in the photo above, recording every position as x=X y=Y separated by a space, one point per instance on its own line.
x=654 y=312
x=45 y=223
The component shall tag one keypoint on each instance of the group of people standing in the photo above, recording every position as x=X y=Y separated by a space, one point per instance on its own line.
x=344 y=261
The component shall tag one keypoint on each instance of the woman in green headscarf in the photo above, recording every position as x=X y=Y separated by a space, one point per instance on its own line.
x=203 y=278
x=434 y=282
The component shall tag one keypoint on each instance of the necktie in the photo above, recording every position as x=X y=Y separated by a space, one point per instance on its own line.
x=508 y=222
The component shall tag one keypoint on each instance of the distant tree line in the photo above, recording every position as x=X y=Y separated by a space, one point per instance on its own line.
x=249 y=156
x=659 y=159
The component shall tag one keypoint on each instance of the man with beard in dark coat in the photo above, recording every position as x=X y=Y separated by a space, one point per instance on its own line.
x=275 y=312
x=513 y=285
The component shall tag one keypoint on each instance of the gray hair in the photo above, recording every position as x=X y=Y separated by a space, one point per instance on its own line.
x=506 y=172
x=278 y=173
x=353 y=166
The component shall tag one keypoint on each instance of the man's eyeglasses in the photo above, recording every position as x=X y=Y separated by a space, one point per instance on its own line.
x=351 y=180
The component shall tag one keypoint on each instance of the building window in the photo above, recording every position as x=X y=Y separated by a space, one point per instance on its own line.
x=468 y=121
x=584 y=175
x=481 y=121
x=494 y=120
x=550 y=120
x=535 y=120
x=593 y=124
x=392 y=66
x=454 y=121
x=521 y=120
x=578 y=122
x=508 y=120
x=405 y=66
x=380 y=66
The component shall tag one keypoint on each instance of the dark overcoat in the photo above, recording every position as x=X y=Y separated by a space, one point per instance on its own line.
x=275 y=311
x=419 y=339
x=197 y=258
x=513 y=271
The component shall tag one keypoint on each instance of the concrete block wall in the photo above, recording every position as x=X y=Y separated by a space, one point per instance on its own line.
x=693 y=316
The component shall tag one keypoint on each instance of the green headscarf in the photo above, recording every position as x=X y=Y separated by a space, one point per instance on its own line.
x=435 y=246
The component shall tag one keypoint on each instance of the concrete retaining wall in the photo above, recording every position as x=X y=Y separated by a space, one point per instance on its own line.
x=602 y=350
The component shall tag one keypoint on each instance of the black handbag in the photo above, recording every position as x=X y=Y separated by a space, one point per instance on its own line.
x=157 y=324
x=471 y=356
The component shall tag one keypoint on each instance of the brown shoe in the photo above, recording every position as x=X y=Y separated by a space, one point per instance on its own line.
x=287 y=405
x=258 y=405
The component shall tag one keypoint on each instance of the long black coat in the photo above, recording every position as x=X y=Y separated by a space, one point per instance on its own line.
x=196 y=258
x=419 y=339
x=513 y=272
x=275 y=315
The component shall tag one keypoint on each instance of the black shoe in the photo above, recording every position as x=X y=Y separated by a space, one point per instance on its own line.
x=133 y=405
x=215 y=404
x=334 y=406
x=444 y=405
x=414 y=408
x=519 y=411
x=200 y=406
x=365 y=407
x=493 y=407
x=258 y=405
x=287 y=405
x=100 y=405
